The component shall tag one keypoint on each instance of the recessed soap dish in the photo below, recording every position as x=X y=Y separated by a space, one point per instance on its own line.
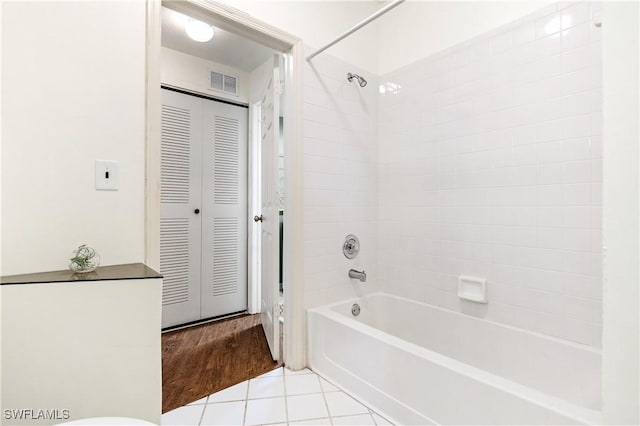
x=472 y=289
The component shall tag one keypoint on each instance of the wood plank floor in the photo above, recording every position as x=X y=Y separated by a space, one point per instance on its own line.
x=200 y=360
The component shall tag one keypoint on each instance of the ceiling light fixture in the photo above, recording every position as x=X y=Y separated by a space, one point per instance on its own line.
x=198 y=30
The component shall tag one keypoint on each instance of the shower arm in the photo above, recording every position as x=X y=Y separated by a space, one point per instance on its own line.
x=356 y=27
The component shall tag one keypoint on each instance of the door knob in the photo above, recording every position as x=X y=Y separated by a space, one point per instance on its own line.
x=257 y=218
x=196 y=211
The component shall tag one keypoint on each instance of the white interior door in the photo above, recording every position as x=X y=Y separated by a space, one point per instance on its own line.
x=224 y=209
x=180 y=195
x=270 y=123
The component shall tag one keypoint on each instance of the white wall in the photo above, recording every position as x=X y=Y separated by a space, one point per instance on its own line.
x=340 y=180
x=190 y=72
x=491 y=166
x=319 y=22
x=417 y=29
x=259 y=79
x=93 y=348
x=406 y=34
x=73 y=91
x=621 y=329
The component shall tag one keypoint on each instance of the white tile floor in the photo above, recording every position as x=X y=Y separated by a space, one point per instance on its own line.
x=280 y=397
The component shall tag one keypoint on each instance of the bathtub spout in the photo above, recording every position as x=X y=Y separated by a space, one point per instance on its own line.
x=362 y=276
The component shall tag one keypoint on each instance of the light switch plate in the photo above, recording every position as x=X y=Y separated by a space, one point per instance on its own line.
x=107 y=175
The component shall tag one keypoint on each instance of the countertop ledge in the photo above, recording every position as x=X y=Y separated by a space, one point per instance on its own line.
x=131 y=271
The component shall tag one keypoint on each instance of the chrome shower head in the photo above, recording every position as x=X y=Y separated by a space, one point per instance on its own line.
x=361 y=81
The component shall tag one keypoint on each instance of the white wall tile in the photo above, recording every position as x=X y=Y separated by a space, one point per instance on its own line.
x=501 y=43
x=576 y=217
x=548 y=66
x=576 y=104
x=578 y=171
x=549 y=195
x=548 y=25
x=578 y=81
x=577 y=194
x=550 y=238
x=340 y=186
x=549 y=45
x=548 y=152
x=550 y=174
x=582 y=332
x=577 y=149
x=549 y=131
x=510 y=150
x=575 y=37
x=575 y=59
x=524 y=34
x=574 y=15
x=576 y=127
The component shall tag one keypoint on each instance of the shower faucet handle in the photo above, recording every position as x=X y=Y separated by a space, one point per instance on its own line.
x=351 y=246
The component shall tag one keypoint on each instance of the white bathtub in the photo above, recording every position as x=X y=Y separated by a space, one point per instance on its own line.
x=420 y=364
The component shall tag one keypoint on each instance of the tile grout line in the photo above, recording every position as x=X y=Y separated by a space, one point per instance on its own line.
x=256 y=399
x=369 y=410
x=246 y=403
x=372 y=418
x=311 y=419
x=286 y=397
x=204 y=407
x=324 y=398
x=315 y=393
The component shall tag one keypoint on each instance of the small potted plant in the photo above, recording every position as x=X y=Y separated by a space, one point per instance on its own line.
x=85 y=259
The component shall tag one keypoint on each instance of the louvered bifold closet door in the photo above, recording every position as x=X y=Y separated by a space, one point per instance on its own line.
x=224 y=213
x=180 y=195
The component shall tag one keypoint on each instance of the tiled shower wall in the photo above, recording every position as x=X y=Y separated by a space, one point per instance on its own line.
x=490 y=159
x=340 y=187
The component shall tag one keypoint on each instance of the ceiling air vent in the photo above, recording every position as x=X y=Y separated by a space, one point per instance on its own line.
x=224 y=83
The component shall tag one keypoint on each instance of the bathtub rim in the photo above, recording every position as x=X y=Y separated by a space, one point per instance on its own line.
x=553 y=403
x=575 y=345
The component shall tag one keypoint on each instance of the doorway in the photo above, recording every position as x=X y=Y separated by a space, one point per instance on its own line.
x=212 y=176
x=227 y=18
x=220 y=174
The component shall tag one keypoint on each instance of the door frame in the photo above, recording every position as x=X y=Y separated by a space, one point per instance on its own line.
x=230 y=19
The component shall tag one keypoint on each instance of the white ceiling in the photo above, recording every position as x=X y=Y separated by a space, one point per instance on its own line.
x=225 y=47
